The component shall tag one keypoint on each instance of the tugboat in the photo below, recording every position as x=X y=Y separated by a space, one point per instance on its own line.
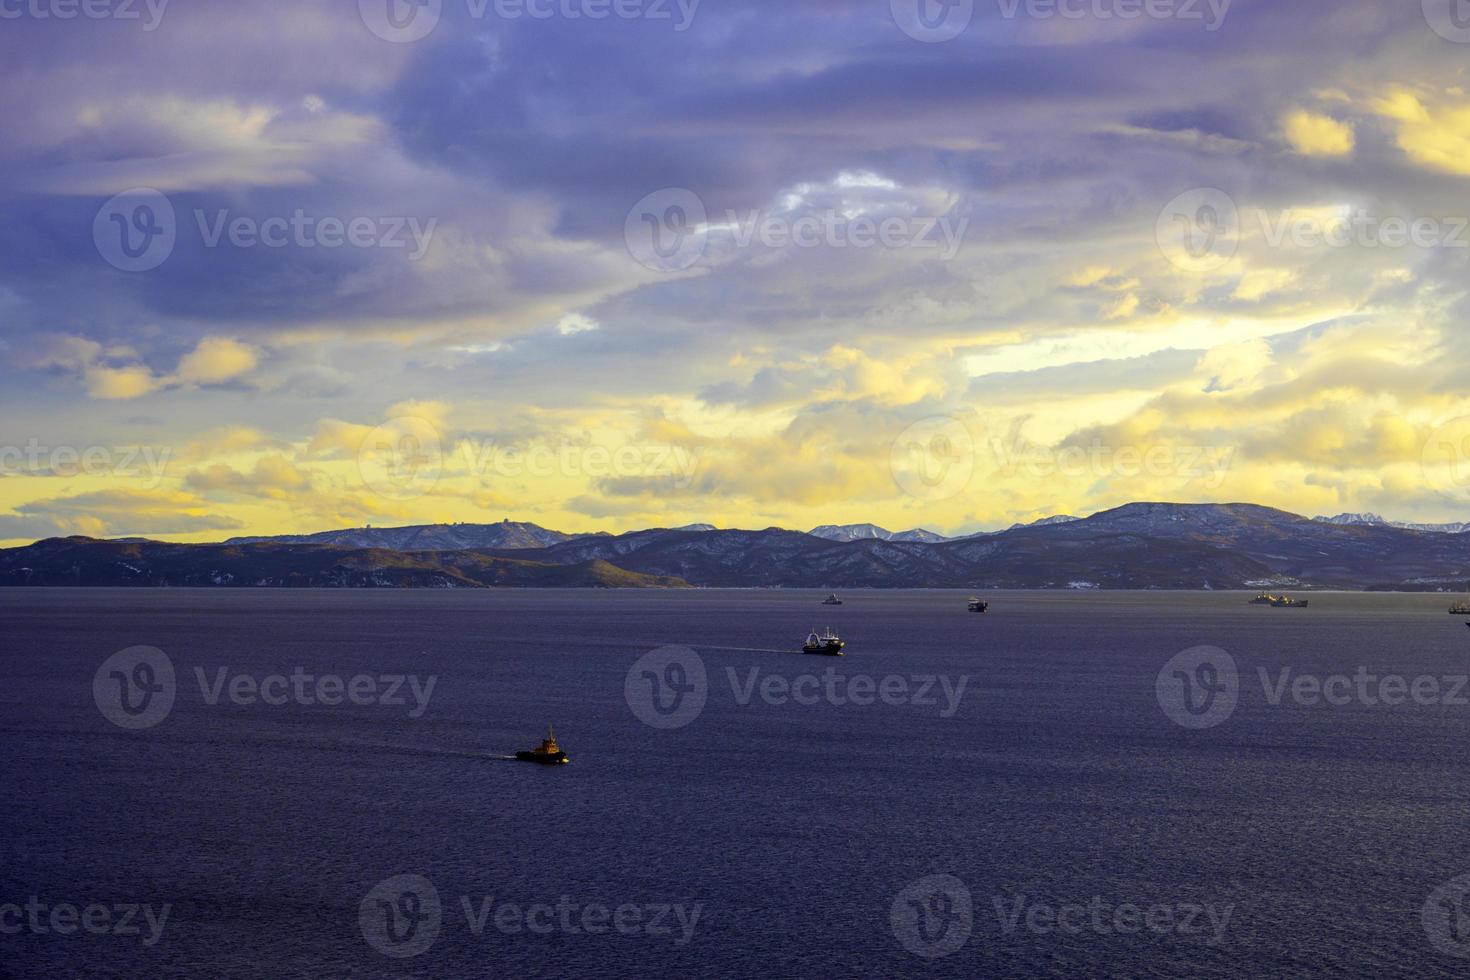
x=547 y=753
x=827 y=644
x=832 y=600
x=1279 y=601
x=978 y=605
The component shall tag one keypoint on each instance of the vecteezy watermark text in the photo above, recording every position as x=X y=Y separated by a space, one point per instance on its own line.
x=136 y=688
x=669 y=687
x=919 y=690
x=303 y=230
x=1103 y=917
x=1201 y=688
x=407 y=21
x=36 y=459
x=403 y=916
x=87 y=9
x=137 y=230
x=407 y=456
x=670 y=230
x=276 y=690
x=1207 y=464
x=1211 y=13
x=1202 y=229
x=41 y=918
x=935 y=916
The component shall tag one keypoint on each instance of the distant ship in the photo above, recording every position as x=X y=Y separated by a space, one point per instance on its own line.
x=1279 y=601
x=978 y=605
x=1460 y=609
x=828 y=643
x=832 y=600
x=547 y=753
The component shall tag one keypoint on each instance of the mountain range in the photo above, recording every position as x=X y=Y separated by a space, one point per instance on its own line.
x=1137 y=546
x=1375 y=520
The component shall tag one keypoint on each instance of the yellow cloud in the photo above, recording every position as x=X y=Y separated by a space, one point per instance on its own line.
x=216 y=360
x=1433 y=136
x=133 y=381
x=1316 y=135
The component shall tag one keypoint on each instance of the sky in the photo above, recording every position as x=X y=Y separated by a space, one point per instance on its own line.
x=611 y=264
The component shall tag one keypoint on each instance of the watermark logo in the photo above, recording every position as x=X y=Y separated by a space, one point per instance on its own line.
x=135 y=688
x=401 y=916
x=667 y=688
x=1446 y=459
x=1446 y=917
x=932 y=21
x=401 y=21
x=402 y=459
x=933 y=459
x=1450 y=19
x=1198 y=688
x=933 y=916
x=668 y=230
x=1199 y=231
x=136 y=230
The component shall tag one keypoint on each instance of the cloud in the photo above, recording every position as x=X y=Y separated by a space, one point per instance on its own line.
x=116 y=513
x=1436 y=135
x=1311 y=134
x=273 y=477
x=116 y=373
x=575 y=323
x=216 y=360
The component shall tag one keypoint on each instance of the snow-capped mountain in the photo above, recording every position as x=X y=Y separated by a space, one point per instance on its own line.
x=1048 y=521
x=872 y=532
x=1376 y=520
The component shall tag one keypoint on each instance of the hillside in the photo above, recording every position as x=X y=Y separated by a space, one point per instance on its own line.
x=86 y=561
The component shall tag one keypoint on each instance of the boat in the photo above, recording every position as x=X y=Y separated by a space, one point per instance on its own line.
x=827 y=643
x=1279 y=601
x=548 y=753
x=832 y=600
x=978 y=605
x=1460 y=609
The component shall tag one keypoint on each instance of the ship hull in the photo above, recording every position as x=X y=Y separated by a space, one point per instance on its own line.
x=544 y=758
x=827 y=650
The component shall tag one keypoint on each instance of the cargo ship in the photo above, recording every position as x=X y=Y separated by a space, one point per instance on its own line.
x=548 y=753
x=1279 y=601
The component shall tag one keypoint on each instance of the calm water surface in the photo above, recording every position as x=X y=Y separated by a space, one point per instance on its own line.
x=1057 y=780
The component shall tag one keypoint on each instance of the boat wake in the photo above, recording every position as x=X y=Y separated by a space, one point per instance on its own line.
x=703 y=646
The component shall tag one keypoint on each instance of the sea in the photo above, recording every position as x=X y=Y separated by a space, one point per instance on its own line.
x=276 y=783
